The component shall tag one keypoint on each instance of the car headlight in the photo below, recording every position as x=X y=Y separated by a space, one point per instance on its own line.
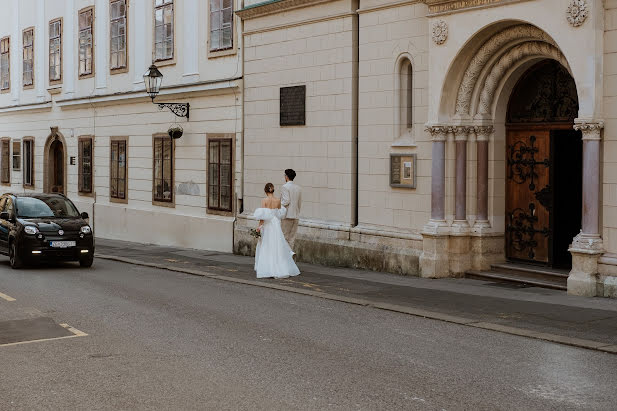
x=30 y=229
x=86 y=229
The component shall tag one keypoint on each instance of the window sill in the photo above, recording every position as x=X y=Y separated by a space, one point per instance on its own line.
x=406 y=140
x=5 y=91
x=164 y=204
x=120 y=70
x=118 y=200
x=212 y=211
x=164 y=63
x=222 y=53
x=55 y=89
x=84 y=194
x=85 y=76
x=29 y=87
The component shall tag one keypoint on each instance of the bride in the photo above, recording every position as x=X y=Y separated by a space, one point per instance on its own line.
x=273 y=257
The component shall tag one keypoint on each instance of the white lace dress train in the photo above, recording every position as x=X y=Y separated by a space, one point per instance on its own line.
x=273 y=257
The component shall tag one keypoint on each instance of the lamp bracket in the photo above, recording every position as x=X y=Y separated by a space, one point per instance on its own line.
x=179 y=109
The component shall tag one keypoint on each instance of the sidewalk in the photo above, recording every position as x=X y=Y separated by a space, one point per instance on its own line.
x=527 y=311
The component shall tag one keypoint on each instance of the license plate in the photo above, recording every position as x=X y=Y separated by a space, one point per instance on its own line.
x=62 y=244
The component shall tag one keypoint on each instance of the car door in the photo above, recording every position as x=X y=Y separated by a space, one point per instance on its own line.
x=4 y=227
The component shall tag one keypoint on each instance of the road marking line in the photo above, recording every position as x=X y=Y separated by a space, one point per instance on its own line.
x=76 y=333
x=6 y=297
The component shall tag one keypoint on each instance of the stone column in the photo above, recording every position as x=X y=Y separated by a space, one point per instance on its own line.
x=483 y=134
x=587 y=246
x=434 y=261
x=460 y=223
x=459 y=242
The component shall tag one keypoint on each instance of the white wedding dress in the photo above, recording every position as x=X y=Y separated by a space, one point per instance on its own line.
x=273 y=257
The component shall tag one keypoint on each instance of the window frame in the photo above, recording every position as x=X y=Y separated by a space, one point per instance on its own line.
x=125 y=140
x=23 y=60
x=125 y=68
x=30 y=141
x=14 y=143
x=49 y=38
x=162 y=202
x=171 y=60
x=214 y=53
x=80 y=171
x=218 y=210
x=92 y=44
x=8 y=53
x=5 y=155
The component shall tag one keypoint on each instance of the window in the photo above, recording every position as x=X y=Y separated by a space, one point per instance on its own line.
x=16 y=155
x=85 y=165
x=163 y=30
x=28 y=162
x=5 y=177
x=406 y=94
x=55 y=51
x=220 y=174
x=85 y=42
x=118 y=34
x=163 y=181
x=117 y=183
x=221 y=24
x=5 y=64
x=28 y=57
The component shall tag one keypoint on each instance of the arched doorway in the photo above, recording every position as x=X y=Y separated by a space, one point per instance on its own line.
x=55 y=164
x=543 y=167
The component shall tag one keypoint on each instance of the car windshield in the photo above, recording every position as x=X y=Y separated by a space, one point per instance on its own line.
x=50 y=207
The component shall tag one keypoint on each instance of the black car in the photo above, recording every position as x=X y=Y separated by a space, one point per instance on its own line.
x=39 y=227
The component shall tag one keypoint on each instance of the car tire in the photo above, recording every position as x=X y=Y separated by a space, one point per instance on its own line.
x=86 y=262
x=14 y=257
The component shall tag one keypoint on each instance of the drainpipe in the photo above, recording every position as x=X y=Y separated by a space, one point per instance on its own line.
x=355 y=106
x=241 y=206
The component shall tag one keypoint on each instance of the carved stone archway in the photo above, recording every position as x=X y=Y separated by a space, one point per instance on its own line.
x=470 y=102
x=55 y=163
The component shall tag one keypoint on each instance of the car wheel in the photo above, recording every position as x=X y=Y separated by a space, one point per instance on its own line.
x=14 y=257
x=86 y=261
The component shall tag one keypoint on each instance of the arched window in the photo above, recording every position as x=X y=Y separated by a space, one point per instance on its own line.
x=403 y=101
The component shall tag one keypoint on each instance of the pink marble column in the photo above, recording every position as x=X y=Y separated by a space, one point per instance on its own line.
x=589 y=238
x=438 y=175
x=460 y=199
x=482 y=137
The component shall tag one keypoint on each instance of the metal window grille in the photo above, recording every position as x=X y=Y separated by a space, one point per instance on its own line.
x=118 y=169
x=85 y=165
x=220 y=174
x=163 y=169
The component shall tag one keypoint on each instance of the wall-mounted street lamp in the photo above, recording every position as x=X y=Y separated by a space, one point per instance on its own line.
x=153 y=79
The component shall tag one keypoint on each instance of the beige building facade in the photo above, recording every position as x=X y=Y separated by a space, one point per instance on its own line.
x=76 y=118
x=438 y=136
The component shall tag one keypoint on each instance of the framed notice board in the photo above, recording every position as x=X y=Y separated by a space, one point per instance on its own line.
x=293 y=106
x=403 y=170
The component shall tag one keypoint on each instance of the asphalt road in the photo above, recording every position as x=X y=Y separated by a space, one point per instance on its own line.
x=163 y=340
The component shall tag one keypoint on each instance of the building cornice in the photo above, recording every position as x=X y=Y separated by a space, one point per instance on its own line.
x=441 y=7
x=275 y=6
x=26 y=107
x=390 y=5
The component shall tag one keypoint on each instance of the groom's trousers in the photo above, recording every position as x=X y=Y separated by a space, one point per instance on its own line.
x=290 y=228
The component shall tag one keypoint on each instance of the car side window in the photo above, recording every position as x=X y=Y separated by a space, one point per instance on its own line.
x=8 y=207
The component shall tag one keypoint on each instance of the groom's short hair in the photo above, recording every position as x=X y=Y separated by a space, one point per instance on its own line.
x=290 y=174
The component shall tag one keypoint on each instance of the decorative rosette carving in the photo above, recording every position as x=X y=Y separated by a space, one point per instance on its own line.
x=577 y=12
x=440 y=32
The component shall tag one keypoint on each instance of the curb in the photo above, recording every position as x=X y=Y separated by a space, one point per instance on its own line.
x=537 y=335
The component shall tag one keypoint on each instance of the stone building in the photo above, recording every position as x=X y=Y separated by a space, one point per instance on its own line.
x=75 y=119
x=438 y=137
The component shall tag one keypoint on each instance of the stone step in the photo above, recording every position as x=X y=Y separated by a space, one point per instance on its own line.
x=513 y=278
x=533 y=272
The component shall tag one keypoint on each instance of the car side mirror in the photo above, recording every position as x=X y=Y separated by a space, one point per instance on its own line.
x=4 y=215
x=84 y=215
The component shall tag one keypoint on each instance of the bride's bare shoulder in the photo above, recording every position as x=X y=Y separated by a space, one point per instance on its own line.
x=264 y=202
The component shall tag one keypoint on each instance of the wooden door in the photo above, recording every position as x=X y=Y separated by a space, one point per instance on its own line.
x=528 y=195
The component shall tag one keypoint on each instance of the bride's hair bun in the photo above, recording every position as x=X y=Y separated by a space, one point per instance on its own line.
x=269 y=188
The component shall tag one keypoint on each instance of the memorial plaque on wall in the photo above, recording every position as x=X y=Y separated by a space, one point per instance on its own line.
x=293 y=106
x=403 y=170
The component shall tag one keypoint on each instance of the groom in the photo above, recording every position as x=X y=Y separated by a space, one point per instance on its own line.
x=291 y=199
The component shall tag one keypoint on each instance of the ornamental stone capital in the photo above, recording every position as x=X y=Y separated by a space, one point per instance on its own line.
x=577 y=12
x=483 y=133
x=590 y=130
x=461 y=133
x=438 y=132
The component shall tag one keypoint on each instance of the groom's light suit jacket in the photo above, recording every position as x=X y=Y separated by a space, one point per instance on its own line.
x=291 y=199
